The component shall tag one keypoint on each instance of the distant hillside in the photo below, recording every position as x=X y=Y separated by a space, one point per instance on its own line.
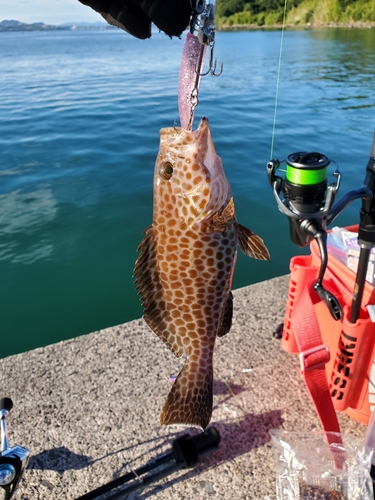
x=12 y=25
x=232 y=14
x=18 y=26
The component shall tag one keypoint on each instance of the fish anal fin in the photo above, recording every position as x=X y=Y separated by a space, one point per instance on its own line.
x=251 y=244
x=150 y=288
x=226 y=319
x=189 y=402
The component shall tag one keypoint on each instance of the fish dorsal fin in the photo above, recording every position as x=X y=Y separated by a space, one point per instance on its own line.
x=226 y=319
x=151 y=290
x=251 y=244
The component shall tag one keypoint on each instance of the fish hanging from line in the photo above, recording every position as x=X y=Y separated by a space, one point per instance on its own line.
x=186 y=263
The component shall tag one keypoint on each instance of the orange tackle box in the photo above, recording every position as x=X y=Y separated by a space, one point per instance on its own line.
x=351 y=369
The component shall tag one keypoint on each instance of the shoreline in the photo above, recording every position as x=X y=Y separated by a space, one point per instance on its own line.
x=305 y=26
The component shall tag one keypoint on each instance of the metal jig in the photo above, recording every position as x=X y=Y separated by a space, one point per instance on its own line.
x=203 y=25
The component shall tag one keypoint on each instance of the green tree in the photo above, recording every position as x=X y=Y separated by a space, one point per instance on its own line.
x=225 y=8
x=266 y=5
x=268 y=12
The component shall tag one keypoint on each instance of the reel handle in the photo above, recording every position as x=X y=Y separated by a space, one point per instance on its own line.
x=330 y=301
x=314 y=229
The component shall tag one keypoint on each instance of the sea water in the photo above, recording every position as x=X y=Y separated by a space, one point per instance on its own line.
x=80 y=113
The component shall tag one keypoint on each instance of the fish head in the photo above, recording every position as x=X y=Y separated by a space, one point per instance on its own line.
x=189 y=177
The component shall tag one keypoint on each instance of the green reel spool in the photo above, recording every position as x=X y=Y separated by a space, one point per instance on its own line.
x=305 y=180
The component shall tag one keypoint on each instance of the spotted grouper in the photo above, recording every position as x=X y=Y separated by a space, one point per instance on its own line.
x=186 y=263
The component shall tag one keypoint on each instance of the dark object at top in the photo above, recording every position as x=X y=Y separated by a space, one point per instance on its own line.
x=6 y=404
x=136 y=16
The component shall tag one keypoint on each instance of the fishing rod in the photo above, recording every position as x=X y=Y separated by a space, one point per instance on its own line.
x=304 y=197
x=13 y=460
x=186 y=453
x=366 y=235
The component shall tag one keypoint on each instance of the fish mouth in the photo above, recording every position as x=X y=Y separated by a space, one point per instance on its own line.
x=203 y=121
x=203 y=130
x=220 y=189
x=180 y=141
x=207 y=149
x=176 y=130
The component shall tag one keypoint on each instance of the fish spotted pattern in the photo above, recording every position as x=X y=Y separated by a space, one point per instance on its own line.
x=185 y=268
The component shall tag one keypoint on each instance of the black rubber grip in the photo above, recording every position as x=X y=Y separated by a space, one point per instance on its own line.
x=207 y=440
x=6 y=404
x=189 y=449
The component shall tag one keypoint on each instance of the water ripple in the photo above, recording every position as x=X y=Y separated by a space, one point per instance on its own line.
x=26 y=212
x=80 y=114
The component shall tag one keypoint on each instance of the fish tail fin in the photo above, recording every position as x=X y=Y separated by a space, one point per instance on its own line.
x=190 y=399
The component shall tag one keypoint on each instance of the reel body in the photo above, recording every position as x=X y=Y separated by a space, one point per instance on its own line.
x=306 y=202
x=306 y=196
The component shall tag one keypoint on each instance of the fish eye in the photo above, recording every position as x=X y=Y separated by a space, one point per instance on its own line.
x=166 y=170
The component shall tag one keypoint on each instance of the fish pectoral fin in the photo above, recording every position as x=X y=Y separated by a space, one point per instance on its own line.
x=190 y=399
x=151 y=290
x=226 y=319
x=222 y=218
x=251 y=244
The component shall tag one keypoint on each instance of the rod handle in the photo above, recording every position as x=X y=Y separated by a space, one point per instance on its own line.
x=189 y=449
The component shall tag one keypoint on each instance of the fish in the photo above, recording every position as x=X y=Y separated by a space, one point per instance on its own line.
x=186 y=262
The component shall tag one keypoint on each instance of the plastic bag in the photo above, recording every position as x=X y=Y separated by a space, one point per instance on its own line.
x=305 y=468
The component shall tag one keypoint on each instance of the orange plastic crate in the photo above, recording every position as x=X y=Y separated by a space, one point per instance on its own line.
x=351 y=370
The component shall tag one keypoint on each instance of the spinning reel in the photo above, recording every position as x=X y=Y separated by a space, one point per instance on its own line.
x=303 y=196
x=13 y=460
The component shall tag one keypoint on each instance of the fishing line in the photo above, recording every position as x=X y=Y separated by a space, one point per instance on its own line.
x=278 y=80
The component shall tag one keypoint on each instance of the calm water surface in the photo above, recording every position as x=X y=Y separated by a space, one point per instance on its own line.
x=79 y=119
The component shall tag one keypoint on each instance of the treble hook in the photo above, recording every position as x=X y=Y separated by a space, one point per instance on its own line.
x=202 y=74
x=213 y=71
x=205 y=26
x=211 y=65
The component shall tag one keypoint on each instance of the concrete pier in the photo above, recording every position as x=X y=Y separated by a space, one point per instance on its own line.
x=88 y=408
